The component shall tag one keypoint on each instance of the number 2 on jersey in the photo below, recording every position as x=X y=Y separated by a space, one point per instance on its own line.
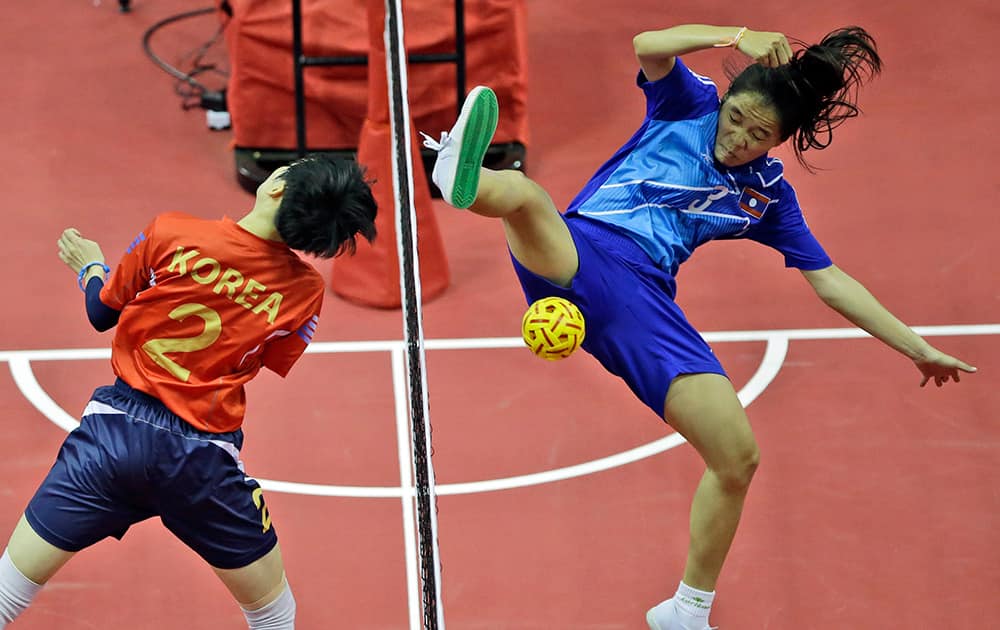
x=157 y=348
x=258 y=501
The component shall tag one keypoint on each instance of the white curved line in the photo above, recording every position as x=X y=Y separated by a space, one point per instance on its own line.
x=770 y=365
x=558 y=474
x=777 y=347
x=24 y=378
x=774 y=355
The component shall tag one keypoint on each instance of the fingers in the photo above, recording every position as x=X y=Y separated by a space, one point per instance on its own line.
x=952 y=371
x=944 y=369
x=72 y=241
x=68 y=238
x=783 y=52
x=941 y=379
x=779 y=54
x=768 y=59
x=70 y=252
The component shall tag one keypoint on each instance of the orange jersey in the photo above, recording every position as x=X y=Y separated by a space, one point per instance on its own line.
x=204 y=304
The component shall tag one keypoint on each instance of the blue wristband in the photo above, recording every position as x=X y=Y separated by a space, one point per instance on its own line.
x=83 y=272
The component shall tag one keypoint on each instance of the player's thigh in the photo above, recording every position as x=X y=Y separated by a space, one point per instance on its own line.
x=207 y=500
x=539 y=238
x=257 y=584
x=34 y=557
x=704 y=409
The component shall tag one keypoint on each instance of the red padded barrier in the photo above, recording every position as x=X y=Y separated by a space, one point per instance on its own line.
x=371 y=276
x=261 y=86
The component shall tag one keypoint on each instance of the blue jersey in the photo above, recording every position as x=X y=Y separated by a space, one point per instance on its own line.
x=666 y=191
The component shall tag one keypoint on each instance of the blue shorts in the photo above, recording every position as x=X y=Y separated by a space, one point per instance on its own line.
x=633 y=326
x=131 y=458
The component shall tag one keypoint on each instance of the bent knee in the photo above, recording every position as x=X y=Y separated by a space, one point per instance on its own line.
x=529 y=197
x=736 y=473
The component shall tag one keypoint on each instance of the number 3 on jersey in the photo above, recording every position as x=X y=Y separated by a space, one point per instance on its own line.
x=157 y=349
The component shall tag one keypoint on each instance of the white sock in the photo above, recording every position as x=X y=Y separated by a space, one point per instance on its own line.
x=16 y=591
x=693 y=606
x=278 y=615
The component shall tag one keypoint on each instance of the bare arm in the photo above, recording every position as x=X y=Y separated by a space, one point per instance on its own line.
x=851 y=299
x=657 y=50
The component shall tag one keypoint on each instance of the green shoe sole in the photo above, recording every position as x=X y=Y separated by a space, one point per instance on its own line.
x=476 y=138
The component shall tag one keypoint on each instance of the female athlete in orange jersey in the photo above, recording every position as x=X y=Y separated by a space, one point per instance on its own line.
x=200 y=306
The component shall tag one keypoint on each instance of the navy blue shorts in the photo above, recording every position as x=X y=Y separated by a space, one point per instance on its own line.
x=633 y=326
x=131 y=458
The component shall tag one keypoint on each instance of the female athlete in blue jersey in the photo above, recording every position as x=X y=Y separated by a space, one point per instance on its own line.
x=696 y=170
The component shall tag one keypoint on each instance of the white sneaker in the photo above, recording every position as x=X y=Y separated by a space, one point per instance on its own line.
x=461 y=150
x=663 y=616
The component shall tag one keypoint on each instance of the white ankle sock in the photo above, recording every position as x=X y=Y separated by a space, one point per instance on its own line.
x=16 y=591
x=278 y=615
x=693 y=606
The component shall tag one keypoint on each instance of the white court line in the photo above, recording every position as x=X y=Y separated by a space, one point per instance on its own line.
x=486 y=343
x=774 y=355
x=24 y=378
x=770 y=365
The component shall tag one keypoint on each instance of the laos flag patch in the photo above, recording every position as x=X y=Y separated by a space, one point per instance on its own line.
x=753 y=202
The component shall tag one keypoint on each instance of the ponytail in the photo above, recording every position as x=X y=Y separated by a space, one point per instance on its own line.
x=817 y=91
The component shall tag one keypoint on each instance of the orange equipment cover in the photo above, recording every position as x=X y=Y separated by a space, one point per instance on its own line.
x=261 y=87
x=371 y=276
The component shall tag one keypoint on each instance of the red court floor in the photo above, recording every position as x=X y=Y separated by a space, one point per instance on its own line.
x=876 y=503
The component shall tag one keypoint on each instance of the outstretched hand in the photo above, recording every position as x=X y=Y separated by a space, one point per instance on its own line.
x=941 y=367
x=76 y=251
x=768 y=49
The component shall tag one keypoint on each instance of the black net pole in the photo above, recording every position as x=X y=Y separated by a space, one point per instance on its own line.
x=423 y=470
x=460 y=79
x=300 y=95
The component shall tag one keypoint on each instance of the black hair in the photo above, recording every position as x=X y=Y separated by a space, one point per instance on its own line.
x=327 y=202
x=817 y=90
